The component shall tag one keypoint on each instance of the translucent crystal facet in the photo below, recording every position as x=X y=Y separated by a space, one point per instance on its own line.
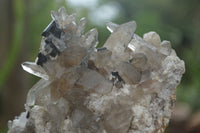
x=34 y=69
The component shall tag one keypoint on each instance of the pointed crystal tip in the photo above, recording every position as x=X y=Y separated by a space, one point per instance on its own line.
x=111 y=26
x=35 y=69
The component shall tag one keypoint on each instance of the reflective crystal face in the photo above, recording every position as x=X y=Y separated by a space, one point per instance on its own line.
x=128 y=85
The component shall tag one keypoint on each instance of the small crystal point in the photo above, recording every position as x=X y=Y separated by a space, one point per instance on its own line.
x=91 y=38
x=62 y=12
x=120 y=38
x=54 y=15
x=71 y=18
x=129 y=27
x=111 y=26
x=165 y=47
x=152 y=37
x=81 y=26
x=35 y=69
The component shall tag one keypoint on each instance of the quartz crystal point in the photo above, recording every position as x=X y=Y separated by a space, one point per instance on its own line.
x=127 y=86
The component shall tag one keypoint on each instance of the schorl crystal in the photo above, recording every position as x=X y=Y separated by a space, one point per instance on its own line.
x=41 y=59
x=52 y=29
x=54 y=50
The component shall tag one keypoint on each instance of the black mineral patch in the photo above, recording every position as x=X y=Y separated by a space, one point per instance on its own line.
x=41 y=59
x=117 y=80
x=54 y=51
x=100 y=49
x=28 y=115
x=52 y=29
x=116 y=74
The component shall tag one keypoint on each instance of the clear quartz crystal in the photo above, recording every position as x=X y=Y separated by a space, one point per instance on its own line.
x=119 y=39
x=34 y=69
x=153 y=38
x=81 y=26
x=165 y=47
x=139 y=60
x=91 y=38
x=127 y=86
x=129 y=73
x=36 y=91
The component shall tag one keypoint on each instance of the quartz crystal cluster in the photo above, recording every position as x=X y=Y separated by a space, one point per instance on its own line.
x=126 y=86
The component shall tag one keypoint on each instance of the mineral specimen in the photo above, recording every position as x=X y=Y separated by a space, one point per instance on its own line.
x=127 y=86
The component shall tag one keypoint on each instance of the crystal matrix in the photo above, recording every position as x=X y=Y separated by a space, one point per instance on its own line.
x=127 y=86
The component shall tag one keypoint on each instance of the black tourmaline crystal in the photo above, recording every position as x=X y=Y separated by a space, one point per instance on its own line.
x=54 y=51
x=41 y=59
x=52 y=29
